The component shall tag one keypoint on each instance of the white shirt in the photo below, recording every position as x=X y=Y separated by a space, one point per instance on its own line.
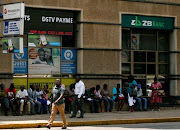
x=139 y=93
x=79 y=89
x=39 y=94
x=22 y=94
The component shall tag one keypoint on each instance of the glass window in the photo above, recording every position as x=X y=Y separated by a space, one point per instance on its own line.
x=143 y=39
x=139 y=56
x=163 y=40
x=68 y=41
x=125 y=56
x=163 y=68
x=126 y=68
x=163 y=57
x=126 y=36
x=139 y=68
x=151 y=56
x=151 y=68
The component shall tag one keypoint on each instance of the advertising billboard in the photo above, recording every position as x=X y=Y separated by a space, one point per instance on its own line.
x=12 y=45
x=12 y=11
x=48 y=22
x=44 y=61
x=13 y=27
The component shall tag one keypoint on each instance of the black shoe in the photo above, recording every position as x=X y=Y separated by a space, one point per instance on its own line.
x=72 y=116
x=144 y=110
x=80 y=117
x=32 y=113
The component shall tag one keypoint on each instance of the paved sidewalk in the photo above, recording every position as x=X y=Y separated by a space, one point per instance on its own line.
x=122 y=117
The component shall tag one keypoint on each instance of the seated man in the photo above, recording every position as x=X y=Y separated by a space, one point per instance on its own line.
x=22 y=100
x=3 y=99
x=139 y=99
x=32 y=98
x=89 y=93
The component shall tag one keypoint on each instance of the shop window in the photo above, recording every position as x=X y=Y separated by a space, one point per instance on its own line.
x=151 y=68
x=139 y=68
x=163 y=57
x=126 y=68
x=68 y=41
x=151 y=56
x=163 y=40
x=139 y=56
x=126 y=36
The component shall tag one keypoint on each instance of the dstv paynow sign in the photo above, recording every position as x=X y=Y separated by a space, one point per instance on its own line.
x=12 y=11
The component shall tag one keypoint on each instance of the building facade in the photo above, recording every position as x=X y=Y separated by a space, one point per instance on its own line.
x=103 y=41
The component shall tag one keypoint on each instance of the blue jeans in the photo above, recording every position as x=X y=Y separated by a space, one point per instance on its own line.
x=43 y=104
x=139 y=102
x=106 y=103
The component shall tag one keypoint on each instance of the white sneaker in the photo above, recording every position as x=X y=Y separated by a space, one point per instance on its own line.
x=152 y=109
x=159 y=110
x=71 y=112
x=79 y=111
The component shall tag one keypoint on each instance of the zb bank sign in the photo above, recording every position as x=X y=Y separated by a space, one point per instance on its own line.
x=147 y=22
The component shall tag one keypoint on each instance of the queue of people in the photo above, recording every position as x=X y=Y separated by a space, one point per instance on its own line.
x=74 y=97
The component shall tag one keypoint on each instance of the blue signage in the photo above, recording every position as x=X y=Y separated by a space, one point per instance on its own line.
x=68 y=68
x=20 y=67
x=11 y=27
x=0 y=11
x=21 y=56
x=68 y=54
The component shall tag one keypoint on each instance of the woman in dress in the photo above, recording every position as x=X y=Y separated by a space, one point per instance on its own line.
x=155 y=98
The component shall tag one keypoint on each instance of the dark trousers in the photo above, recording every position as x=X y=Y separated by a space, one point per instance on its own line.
x=79 y=102
x=97 y=102
x=5 y=105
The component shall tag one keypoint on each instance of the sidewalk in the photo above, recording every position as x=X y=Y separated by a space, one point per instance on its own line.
x=106 y=118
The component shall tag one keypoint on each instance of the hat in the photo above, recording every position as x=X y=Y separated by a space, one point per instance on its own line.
x=139 y=85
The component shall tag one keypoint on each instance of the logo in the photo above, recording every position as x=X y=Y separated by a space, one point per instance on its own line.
x=19 y=56
x=5 y=11
x=68 y=54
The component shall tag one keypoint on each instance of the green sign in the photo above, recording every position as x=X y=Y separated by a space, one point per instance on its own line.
x=137 y=21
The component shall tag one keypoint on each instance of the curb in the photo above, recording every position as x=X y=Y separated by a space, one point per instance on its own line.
x=96 y=122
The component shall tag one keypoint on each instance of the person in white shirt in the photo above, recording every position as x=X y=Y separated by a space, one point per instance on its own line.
x=78 y=98
x=22 y=100
x=139 y=99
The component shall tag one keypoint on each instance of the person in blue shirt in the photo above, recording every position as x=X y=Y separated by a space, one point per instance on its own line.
x=131 y=84
x=118 y=97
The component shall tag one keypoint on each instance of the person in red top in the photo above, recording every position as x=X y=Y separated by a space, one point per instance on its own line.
x=155 y=87
x=11 y=96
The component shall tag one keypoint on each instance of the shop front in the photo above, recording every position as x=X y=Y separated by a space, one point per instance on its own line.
x=49 y=48
x=146 y=45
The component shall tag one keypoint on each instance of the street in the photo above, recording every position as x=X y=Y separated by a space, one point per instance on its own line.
x=147 y=126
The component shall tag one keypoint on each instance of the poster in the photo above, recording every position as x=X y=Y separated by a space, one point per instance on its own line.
x=135 y=41
x=68 y=54
x=43 y=40
x=20 y=67
x=68 y=67
x=13 y=45
x=44 y=61
x=22 y=56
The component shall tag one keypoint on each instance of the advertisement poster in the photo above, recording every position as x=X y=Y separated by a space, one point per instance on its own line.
x=43 y=40
x=13 y=27
x=68 y=67
x=20 y=67
x=68 y=54
x=22 y=56
x=12 y=11
x=48 y=21
x=44 y=61
x=135 y=41
x=12 y=45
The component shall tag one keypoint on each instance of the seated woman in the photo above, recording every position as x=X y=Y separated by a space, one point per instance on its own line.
x=118 y=97
x=45 y=97
x=98 y=99
x=106 y=98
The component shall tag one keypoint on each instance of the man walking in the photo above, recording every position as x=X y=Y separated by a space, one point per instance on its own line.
x=78 y=98
x=57 y=104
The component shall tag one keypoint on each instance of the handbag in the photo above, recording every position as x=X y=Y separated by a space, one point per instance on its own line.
x=133 y=93
x=161 y=93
